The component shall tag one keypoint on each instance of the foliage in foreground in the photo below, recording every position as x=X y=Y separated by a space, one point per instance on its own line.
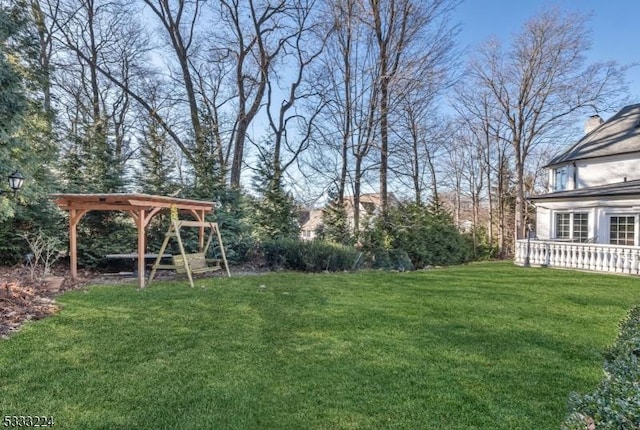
x=615 y=404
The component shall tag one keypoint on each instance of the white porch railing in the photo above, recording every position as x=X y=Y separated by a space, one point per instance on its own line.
x=584 y=256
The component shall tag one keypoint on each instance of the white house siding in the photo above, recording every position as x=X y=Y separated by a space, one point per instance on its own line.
x=602 y=171
x=543 y=223
x=546 y=213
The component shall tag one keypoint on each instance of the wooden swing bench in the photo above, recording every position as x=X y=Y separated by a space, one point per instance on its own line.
x=193 y=263
x=198 y=263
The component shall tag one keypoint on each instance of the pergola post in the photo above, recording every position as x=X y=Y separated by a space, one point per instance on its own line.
x=74 y=218
x=141 y=246
x=73 y=244
x=199 y=216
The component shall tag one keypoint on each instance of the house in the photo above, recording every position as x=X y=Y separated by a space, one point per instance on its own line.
x=590 y=217
x=310 y=221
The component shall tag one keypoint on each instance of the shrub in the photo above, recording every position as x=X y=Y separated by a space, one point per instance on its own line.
x=616 y=402
x=38 y=217
x=45 y=251
x=479 y=244
x=425 y=233
x=308 y=256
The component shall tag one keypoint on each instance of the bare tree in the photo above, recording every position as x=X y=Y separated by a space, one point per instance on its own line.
x=540 y=82
x=215 y=95
x=349 y=121
x=258 y=33
x=292 y=118
x=420 y=134
x=469 y=149
x=377 y=52
x=412 y=36
x=180 y=22
x=478 y=114
x=123 y=64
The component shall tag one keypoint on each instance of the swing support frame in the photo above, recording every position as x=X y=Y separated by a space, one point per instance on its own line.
x=193 y=263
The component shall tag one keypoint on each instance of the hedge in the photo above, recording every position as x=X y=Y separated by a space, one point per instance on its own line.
x=615 y=404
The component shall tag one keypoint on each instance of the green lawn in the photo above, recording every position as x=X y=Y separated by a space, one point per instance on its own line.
x=486 y=346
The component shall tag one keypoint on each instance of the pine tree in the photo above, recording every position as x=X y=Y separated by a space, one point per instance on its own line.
x=157 y=162
x=209 y=171
x=275 y=214
x=334 y=219
x=26 y=137
x=13 y=101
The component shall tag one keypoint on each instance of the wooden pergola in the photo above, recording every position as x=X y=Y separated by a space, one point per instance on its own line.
x=142 y=207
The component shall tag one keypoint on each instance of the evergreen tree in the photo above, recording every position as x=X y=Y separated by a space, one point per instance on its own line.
x=157 y=175
x=275 y=212
x=334 y=219
x=105 y=172
x=209 y=171
x=13 y=103
x=73 y=168
x=428 y=234
x=12 y=108
x=26 y=137
x=425 y=233
x=157 y=162
x=230 y=213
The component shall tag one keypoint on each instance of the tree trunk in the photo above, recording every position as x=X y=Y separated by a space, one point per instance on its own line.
x=356 y=196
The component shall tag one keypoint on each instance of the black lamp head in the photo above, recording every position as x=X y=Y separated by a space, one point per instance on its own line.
x=16 y=180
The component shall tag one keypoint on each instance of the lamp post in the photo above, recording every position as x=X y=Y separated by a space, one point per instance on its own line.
x=16 y=180
x=527 y=261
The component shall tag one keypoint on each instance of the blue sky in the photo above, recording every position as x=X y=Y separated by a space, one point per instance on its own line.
x=614 y=27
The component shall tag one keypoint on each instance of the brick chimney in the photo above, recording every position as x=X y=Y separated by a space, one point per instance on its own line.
x=593 y=122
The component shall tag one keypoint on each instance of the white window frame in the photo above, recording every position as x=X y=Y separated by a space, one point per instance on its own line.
x=561 y=172
x=636 y=225
x=573 y=226
x=571 y=213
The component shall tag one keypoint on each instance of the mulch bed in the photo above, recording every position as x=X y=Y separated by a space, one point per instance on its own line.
x=23 y=299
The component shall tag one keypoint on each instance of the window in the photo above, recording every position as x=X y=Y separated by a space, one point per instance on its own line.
x=563 y=226
x=560 y=180
x=581 y=227
x=572 y=226
x=622 y=230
